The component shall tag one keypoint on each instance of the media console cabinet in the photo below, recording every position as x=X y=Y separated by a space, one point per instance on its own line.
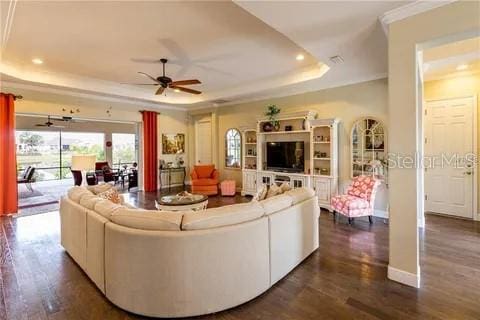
x=320 y=137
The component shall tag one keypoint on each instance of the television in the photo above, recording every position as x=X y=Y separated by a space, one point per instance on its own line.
x=286 y=156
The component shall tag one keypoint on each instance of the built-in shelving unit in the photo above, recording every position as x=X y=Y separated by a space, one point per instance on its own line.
x=249 y=163
x=320 y=137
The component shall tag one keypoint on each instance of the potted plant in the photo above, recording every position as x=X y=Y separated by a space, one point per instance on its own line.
x=271 y=113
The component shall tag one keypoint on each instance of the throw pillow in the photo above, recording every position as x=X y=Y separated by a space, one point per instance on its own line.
x=273 y=191
x=262 y=193
x=285 y=186
x=112 y=195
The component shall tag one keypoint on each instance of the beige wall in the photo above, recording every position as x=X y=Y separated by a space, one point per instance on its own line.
x=348 y=103
x=445 y=24
x=456 y=87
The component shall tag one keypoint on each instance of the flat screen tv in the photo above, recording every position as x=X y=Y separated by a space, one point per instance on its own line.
x=286 y=156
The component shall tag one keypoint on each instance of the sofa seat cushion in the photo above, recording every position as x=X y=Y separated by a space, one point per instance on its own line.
x=223 y=216
x=148 y=219
x=276 y=203
x=89 y=200
x=204 y=171
x=106 y=208
x=204 y=182
x=300 y=194
x=75 y=193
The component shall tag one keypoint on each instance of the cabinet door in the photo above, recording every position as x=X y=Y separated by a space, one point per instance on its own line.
x=249 y=179
x=323 y=191
x=297 y=182
x=265 y=179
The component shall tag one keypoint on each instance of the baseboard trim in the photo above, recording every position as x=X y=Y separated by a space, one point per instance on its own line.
x=404 y=277
x=380 y=214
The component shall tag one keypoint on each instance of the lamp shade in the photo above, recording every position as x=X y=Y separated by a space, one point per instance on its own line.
x=83 y=162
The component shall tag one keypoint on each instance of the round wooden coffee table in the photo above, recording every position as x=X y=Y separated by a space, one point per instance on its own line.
x=195 y=202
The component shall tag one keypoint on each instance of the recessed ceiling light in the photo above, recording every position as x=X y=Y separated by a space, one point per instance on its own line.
x=300 y=57
x=176 y=90
x=37 y=61
x=462 y=67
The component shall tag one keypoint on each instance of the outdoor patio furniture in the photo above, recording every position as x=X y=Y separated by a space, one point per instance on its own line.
x=27 y=178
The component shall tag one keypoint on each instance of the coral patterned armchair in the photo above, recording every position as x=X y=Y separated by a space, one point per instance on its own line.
x=359 y=200
x=204 y=179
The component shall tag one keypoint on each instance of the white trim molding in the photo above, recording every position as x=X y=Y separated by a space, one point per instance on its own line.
x=404 y=277
x=409 y=10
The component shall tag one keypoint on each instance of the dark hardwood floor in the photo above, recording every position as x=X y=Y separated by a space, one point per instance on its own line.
x=344 y=279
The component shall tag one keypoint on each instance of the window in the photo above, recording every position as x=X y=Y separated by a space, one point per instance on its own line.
x=232 y=148
x=50 y=152
x=123 y=149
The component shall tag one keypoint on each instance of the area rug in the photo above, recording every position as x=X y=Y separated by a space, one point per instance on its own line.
x=29 y=194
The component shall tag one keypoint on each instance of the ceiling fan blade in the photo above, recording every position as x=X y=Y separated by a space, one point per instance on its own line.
x=185 y=82
x=150 y=77
x=40 y=125
x=160 y=91
x=188 y=90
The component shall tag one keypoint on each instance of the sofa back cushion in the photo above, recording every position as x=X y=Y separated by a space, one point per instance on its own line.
x=89 y=201
x=276 y=203
x=99 y=188
x=106 y=208
x=204 y=171
x=75 y=193
x=300 y=194
x=223 y=216
x=148 y=219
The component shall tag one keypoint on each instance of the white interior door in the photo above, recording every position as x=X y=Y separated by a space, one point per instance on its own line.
x=203 y=141
x=449 y=139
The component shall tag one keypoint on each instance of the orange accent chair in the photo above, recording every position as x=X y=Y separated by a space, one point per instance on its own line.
x=204 y=180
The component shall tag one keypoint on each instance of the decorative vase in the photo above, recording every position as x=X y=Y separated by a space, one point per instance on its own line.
x=276 y=126
x=267 y=127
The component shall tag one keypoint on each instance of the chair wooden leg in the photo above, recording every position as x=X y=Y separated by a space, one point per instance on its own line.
x=350 y=220
x=334 y=216
x=370 y=219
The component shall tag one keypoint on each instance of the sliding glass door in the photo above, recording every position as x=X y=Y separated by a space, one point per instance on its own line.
x=50 y=152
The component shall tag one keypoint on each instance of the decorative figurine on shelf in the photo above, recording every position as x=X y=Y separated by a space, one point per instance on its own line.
x=271 y=113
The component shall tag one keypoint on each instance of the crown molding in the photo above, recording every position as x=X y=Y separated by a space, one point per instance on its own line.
x=409 y=10
x=133 y=101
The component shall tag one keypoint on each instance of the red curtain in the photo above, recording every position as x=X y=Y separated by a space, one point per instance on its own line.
x=8 y=161
x=149 y=150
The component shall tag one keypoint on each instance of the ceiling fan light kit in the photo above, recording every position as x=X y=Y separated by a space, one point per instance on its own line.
x=167 y=83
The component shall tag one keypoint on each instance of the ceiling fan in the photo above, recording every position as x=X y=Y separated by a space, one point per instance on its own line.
x=48 y=124
x=165 y=82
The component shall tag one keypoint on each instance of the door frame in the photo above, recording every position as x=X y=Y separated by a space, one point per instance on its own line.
x=476 y=214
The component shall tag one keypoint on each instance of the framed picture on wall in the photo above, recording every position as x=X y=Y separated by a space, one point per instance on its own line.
x=173 y=143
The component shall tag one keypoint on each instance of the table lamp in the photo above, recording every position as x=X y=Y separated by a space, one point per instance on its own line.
x=83 y=163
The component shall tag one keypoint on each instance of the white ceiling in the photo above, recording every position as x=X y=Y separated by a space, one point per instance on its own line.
x=442 y=61
x=239 y=50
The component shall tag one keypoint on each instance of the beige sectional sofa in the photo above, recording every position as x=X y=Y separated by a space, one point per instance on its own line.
x=177 y=264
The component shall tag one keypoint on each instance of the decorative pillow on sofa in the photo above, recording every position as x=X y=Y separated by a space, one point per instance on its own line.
x=285 y=186
x=261 y=194
x=112 y=195
x=273 y=191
